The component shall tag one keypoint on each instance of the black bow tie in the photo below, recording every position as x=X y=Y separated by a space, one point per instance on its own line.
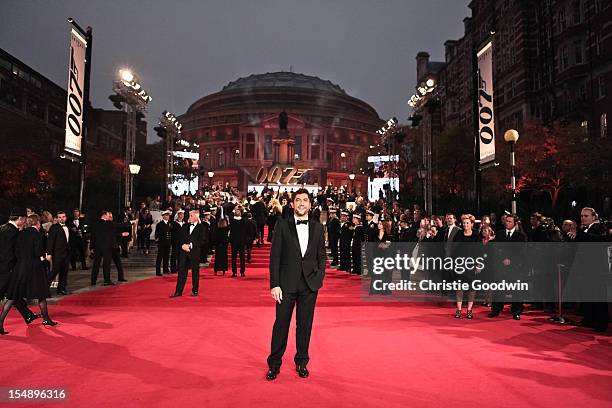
x=298 y=222
x=63 y=225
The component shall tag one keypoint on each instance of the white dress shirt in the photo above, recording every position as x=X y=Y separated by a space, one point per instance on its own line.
x=302 y=231
x=65 y=228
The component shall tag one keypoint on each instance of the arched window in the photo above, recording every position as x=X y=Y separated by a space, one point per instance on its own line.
x=220 y=159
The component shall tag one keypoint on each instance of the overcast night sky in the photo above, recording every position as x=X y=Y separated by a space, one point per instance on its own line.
x=184 y=50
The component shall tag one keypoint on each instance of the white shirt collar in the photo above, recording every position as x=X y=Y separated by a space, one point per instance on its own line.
x=13 y=223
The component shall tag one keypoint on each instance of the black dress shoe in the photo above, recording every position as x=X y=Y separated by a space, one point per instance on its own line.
x=62 y=292
x=175 y=295
x=109 y=283
x=271 y=374
x=2 y=332
x=493 y=314
x=49 y=322
x=194 y=293
x=242 y=275
x=302 y=371
x=30 y=319
x=158 y=274
x=516 y=316
x=122 y=280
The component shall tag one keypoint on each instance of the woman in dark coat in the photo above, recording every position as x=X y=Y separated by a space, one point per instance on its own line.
x=466 y=248
x=145 y=226
x=221 y=240
x=29 y=280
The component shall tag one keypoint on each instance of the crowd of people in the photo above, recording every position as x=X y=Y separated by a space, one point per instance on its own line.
x=218 y=219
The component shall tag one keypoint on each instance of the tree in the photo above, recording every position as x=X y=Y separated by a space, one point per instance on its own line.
x=555 y=158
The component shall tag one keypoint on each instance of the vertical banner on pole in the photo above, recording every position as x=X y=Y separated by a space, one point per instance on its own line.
x=75 y=104
x=486 y=116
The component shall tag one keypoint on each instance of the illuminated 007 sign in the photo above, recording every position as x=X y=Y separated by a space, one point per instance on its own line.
x=278 y=174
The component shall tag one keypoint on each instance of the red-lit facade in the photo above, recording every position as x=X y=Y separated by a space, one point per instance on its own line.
x=238 y=130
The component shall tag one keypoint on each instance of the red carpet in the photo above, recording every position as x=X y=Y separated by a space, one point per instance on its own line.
x=131 y=345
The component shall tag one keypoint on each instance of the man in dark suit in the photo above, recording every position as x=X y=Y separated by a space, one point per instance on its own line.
x=297 y=269
x=58 y=247
x=103 y=240
x=8 y=238
x=345 y=237
x=163 y=237
x=251 y=234
x=371 y=227
x=450 y=232
x=333 y=233
x=358 y=236
x=237 y=238
x=192 y=239
x=77 y=239
x=260 y=215
x=509 y=265
x=596 y=314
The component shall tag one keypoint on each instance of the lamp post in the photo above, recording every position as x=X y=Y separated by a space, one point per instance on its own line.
x=512 y=136
x=351 y=177
x=211 y=174
x=131 y=97
x=134 y=170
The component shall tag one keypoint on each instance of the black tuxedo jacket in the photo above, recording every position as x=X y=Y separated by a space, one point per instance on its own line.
x=238 y=232
x=57 y=245
x=515 y=253
x=76 y=233
x=286 y=262
x=103 y=236
x=197 y=239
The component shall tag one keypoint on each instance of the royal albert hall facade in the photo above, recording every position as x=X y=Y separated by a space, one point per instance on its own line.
x=317 y=142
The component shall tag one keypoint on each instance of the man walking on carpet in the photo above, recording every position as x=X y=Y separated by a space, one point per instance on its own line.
x=297 y=269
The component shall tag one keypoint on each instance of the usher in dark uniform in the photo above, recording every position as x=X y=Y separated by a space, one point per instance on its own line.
x=300 y=278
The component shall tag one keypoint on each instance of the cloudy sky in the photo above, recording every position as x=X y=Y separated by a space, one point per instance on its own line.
x=185 y=49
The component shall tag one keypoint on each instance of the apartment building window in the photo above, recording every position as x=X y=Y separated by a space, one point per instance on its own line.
x=597 y=44
x=603 y=125
x=601 y=86
x=576 y=17
x=561 y=20
x=578 y=58
x=564 y=58
x=585 y=127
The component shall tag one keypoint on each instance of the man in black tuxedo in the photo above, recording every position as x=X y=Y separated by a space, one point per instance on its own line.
x=8 y=238
x=192 y=239
x=237 y=238
x=450 y=232
x=333 y=233
x=103 y=240
x=297 y=269
x=77 y=239
x=58 y=247
x=509 y=265
x=260 y=214
x=163 y=237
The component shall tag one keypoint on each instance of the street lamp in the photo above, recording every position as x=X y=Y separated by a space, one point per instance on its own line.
x=133 y=99
x=352 y=177
x=134 y=170
x=512 y=136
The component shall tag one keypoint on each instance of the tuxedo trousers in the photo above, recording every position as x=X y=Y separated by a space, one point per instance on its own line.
x=188 y=260
x=304 y=301
x=59 y=269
